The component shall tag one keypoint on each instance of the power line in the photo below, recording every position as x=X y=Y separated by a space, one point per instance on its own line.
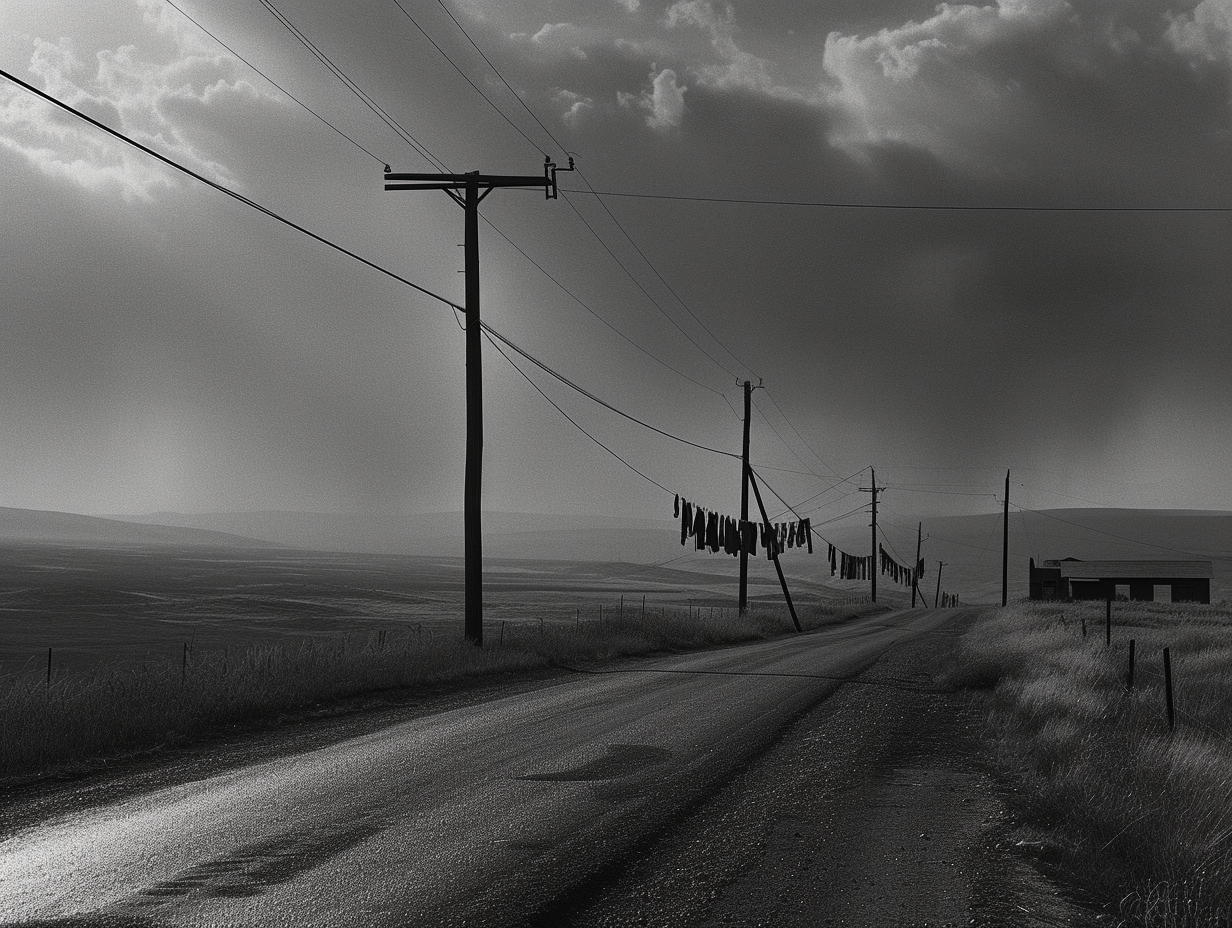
x=422 y=150
x=456 y=67
x=274 y=82
x=938 y=492
x=800 y=517
x=831 y=487
x=385 y=117
x=1099 y=531
x=492 y=333
x=496 y=70
x=647 y=293
x=590 y=396
x=594 y=313
x=669 y=287
x=221 y=189
x=789 y=448
x=496 y=344
x=824 y=204
x=798 y=435
x=902 y=560
x=355 y=88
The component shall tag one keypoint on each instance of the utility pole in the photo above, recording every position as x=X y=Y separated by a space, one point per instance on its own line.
x=872 y=573
x=937 y=596
x=744 y=502
x=468 y=191
x=1005 y=544
x=919 y=539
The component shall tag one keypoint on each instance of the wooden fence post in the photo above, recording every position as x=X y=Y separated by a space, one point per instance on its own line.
x=1168 y=688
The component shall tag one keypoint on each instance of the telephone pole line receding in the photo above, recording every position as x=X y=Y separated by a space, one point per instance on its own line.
x=874 y=566
x=468 y=190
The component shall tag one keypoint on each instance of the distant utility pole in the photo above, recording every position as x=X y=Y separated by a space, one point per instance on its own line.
x=1005 y=544
x=744 y=502
x=872 y=573
x=915 y=568
x=468 y=190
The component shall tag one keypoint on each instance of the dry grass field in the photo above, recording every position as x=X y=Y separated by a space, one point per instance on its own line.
x=154 y=645
x=1138 y=814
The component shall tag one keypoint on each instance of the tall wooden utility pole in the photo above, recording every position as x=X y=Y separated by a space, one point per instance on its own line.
x=873 y=567
x=1005 y=544
x=744 y=502
x=468 y=191
x=937 y=596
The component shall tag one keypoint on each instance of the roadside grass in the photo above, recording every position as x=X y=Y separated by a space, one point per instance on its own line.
x=77 y=717
x=1138 y=816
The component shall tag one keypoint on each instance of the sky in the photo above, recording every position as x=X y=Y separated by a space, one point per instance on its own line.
x=165 y=347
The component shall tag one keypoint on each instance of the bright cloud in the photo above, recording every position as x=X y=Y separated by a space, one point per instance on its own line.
x=935 y=84
x=1204 y=34
x=129 y=93
x=574 y=106
x=733 y=67
x=565 y=37
x=665 y=101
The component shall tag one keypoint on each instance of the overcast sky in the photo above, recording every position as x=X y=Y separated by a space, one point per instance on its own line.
x=165 y=347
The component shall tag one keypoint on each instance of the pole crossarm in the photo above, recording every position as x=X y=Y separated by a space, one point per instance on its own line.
x=395 y=180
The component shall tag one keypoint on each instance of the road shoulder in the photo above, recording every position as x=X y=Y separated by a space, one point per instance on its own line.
x=876 y=808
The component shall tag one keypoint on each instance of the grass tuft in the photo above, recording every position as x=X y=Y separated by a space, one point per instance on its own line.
x=1140 y=817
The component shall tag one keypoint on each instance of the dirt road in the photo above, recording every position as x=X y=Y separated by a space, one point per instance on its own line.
x=813 y=780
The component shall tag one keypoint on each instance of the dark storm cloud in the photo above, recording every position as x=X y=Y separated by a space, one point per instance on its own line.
x=941 y=337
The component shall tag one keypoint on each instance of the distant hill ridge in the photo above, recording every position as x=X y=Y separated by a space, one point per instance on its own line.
x=505 y=534
x=48 y=526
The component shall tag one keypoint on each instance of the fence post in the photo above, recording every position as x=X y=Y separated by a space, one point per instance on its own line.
x=502 y=637
x=1129 y=680
x=1168 y=687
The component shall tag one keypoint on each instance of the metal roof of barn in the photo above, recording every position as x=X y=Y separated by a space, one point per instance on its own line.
x=1137 y=570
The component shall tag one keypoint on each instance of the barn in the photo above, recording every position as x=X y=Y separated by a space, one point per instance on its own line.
x=1071 y=578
